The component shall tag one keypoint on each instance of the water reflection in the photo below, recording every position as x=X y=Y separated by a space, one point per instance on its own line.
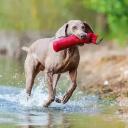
x=48 y=120
x=62 y=120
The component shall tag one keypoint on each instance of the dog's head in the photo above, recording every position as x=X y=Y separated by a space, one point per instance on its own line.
x=75 y=27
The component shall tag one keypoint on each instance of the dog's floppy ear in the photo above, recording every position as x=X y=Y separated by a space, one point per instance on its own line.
x=88 y=28
x=62 y=32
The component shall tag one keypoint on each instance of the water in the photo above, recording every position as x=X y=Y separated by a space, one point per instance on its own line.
x=15 y=109
x=82 y=111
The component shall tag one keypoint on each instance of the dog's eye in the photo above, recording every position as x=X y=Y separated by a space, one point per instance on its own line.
x=83 y=27
x=74 y=27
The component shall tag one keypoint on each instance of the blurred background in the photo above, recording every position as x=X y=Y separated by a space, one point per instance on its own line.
x=102 y=72
x=24 y=21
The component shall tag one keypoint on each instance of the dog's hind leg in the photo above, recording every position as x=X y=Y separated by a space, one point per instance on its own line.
x=30 y=73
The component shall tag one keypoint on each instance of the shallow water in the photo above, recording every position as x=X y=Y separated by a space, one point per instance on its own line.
x=82 y=111
x=15 y=109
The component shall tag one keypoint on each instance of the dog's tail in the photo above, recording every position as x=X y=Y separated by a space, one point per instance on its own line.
x=25 y=48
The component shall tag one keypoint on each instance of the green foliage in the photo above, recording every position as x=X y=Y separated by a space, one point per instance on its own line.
x=117 y=15
x=47 y=15
x=31 y=14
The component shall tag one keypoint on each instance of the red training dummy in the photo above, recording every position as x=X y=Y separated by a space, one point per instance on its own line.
x=72 y=40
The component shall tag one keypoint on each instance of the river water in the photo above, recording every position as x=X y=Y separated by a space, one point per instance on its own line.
x=82 y=111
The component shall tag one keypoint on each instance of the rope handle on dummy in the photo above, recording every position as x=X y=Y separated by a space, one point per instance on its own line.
x=72 y=40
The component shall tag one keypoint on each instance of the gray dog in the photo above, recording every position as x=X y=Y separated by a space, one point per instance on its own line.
x=42 y=57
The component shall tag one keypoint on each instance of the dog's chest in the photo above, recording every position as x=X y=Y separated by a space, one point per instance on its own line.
x=68 y=61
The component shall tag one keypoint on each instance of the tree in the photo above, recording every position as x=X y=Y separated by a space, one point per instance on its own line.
x=116 y=12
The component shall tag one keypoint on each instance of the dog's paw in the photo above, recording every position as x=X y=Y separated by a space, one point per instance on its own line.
x=65 y=98
x=58 y=100
x=45 y=105
x=48 y=102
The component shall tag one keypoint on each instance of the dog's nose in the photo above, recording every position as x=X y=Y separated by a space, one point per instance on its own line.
x=83 y=36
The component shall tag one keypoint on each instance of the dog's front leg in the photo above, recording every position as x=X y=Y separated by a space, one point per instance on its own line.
x=51 y=96
x=55 y=81
x=72 y=87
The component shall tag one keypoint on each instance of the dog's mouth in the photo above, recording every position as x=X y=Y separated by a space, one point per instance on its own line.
x=81 y=36
x=82 y=44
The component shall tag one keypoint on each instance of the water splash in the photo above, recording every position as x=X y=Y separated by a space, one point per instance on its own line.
x=17 y=99
x=16 y=109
